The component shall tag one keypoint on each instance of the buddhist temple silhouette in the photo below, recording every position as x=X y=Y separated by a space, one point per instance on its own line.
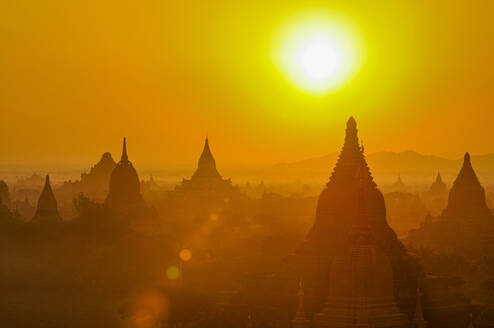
x=438 y=187
x=466 y=212
x=206 y=182
x=124 y=196
x=96 y=182
x=47 y=209
x=361 y=281
x=467 y=197
x=398 y=185
x=436 y=197
x=335 y=215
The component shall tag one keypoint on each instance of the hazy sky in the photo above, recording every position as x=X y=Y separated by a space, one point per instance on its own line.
x=77 y=76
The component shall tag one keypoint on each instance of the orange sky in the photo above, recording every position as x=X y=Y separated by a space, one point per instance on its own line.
x=76 y=76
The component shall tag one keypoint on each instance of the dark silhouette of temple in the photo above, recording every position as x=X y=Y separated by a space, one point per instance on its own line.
x=47 y=209
x=466 y=200
x=436 y=198
x=93 y=184
x=361 y=281
x=398 y=185
x=335 y=216
x=206 y=182
x=124 y=196
x=96 y=182
x=466 y=222
x=438 y=187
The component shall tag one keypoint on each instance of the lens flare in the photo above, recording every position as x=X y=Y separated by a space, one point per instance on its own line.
x=185 y=255
x=172 y=272
x=318 y=53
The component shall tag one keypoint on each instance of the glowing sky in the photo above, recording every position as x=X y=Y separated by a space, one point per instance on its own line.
x=76 y=76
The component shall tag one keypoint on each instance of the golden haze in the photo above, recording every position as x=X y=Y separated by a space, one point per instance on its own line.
x=77 y=76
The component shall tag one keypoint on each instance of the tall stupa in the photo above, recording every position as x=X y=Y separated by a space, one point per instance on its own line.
x=361 y=282
x=124 y=196
x=336 y=215
x=47 y=209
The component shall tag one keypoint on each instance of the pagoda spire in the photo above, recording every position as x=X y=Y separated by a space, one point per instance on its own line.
x=47 y=203
x=439 y=179
x=124 y=151
x=351 y=157
x=206 y=167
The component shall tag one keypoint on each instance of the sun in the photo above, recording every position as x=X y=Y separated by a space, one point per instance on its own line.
x=317 y=54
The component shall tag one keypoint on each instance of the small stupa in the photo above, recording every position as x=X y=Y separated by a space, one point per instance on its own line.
x=438 y=187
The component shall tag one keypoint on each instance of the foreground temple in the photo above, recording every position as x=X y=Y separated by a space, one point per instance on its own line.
x=335 y=216
x=361 y=282
x=124 y=196
x=47 y=209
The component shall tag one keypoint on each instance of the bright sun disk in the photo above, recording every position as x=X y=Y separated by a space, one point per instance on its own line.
x=317 y=55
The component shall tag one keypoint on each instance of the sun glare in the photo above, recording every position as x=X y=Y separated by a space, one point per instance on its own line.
x=318 y=54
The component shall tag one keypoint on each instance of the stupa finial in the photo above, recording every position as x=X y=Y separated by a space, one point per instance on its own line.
x=351 y=124
x=466 y=159
x=124 y=151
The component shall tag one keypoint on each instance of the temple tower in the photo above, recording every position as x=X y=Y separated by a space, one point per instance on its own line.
x=361 y=282
x=206 y=180
x=398 y=185
x=124 y=195
x=467 y=197
x=47 y=209
x=335 y=215
x=438 y=188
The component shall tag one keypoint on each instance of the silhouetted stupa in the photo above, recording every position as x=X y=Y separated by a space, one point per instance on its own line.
x=206 y=180
x=335 y=216
x=361 y=282
x=398 y=185
x=467 y=197
x=124 y=196
x=47 y=209
x=466 y=223
x=438 y=187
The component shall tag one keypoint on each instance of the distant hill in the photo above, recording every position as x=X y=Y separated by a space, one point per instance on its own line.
x=386 y=166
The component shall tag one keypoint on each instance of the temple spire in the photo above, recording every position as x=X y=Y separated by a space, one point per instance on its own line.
x=206 y=167
x=124 y=151
x=351 y=157
x=439 y=179
x=47 y=203
x=466 y=160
